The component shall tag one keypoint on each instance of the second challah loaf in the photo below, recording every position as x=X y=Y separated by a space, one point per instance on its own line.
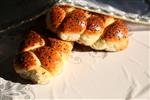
x=98 y=31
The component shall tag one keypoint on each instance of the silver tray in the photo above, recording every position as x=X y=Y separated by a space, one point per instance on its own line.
x=137 y=11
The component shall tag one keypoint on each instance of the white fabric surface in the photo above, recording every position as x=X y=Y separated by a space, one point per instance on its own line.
x=99 y=75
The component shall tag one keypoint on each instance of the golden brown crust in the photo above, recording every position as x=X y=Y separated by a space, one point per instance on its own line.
x=57 y=15
x=50 y=58
x=60 y=45
x=116 y=31
x=95 y=25
x=75 y=22
x=26 y=60
x=32 y=41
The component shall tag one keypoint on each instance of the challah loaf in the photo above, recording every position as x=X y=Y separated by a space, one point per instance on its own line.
x=98 y=31
x=41 y=58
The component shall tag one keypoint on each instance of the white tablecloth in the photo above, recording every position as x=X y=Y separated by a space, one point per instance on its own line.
x=89 y=75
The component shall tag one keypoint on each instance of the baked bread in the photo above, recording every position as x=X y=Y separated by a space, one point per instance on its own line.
x=41 y=58
x=87 y=28
x=114 y=38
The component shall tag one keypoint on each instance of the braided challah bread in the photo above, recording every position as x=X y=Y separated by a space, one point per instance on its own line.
x=41 y=58
x=98 y=31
